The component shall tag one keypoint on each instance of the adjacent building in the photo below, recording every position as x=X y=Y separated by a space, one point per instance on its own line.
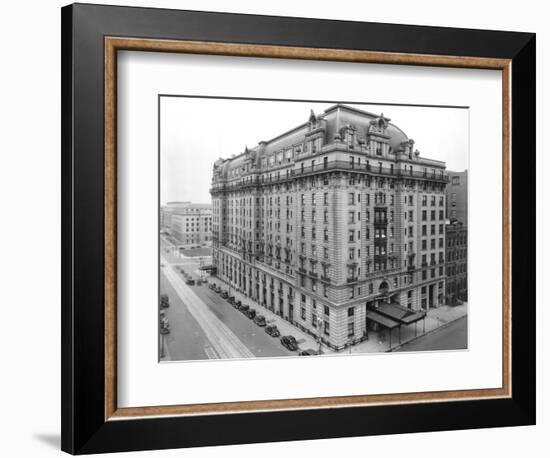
x=457 y=197
x=187 y=223
x=457 y=263
x=457 y=238
x=337 y=225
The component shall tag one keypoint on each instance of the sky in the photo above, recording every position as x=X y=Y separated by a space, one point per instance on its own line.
x=195 y=132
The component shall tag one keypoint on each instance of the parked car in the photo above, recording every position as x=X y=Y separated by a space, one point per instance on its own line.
x=244 y=308
x=260 y=320
x=164 y=325
x=199 y=282
x=212 y=286
x=225 y=294
x=251 y=314
x=231 y=299
x=164 y=301
x=289 y=342
x=218 y=289
x=190 y=281
x=308 y=352
x=272 y=330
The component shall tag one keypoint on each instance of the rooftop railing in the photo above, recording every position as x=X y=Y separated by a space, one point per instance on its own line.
x=327 y=167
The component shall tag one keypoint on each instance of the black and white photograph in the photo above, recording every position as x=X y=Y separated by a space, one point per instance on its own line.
x=292 y=228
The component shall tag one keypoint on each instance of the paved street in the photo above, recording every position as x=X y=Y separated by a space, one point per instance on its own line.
x=203 y=325
x=453 y=336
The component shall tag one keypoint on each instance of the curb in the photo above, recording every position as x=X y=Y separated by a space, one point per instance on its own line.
x=443 y=326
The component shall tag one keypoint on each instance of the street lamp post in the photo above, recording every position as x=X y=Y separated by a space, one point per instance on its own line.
x=162 y=351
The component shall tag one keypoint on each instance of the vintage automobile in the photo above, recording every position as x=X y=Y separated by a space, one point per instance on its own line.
x=251 y=314
x=308 y=352
x=244 y=308
x=225 y=294
x=231 y=299
x=164 y=325
x=190 y=281
x=164 y=301
x=260 y=320
x=212 y=286
x=289 y=342
x=272 y=330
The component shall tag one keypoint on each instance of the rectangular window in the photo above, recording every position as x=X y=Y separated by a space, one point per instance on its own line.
x=326 y=310
x=351 y=329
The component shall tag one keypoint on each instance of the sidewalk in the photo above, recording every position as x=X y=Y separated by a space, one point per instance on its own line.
x=435 y=318
x=305 y=341
x=378 y=342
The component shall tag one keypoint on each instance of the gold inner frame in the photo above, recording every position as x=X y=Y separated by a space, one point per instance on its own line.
x=114 y=44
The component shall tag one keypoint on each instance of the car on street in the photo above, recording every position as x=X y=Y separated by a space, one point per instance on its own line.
x=272 y=330
x=289 y=342
x=237 y=304
x=164 y=301
x=260 y=320
x=218 y=289
x=308 y=352
x=212 y=286
x=251 y=314
x=225 y=294
x=231 y=300
x=199 y=282
x=190 y=281
x=244 y=308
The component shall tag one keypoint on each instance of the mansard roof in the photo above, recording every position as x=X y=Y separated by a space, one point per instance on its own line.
x=332 y=120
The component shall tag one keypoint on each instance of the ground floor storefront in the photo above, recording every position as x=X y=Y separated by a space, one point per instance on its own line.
x=338 y=326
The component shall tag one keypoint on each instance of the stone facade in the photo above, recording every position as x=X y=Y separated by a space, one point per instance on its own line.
x=326 y=221
x=457 y=197
x=457 y=238
x=457 y=263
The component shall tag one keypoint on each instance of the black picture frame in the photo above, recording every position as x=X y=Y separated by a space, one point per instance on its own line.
x=84 y=428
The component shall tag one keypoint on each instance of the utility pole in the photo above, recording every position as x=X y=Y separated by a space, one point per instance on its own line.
x=319 y=324
x=162 y=351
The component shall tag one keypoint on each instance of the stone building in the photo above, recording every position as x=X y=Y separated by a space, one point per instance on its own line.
x=457 y=238
x=337 y=225
x=457 y=263
x=187 y=223
x=457 y=197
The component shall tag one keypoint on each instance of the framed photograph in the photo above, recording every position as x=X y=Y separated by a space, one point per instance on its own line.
x=283 y=228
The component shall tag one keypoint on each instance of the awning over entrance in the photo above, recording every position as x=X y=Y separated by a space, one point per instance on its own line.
x=382 y=320
x=209 y=267
x=400 y=314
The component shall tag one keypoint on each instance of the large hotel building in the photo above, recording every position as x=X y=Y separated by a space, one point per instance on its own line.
x=338 y=225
